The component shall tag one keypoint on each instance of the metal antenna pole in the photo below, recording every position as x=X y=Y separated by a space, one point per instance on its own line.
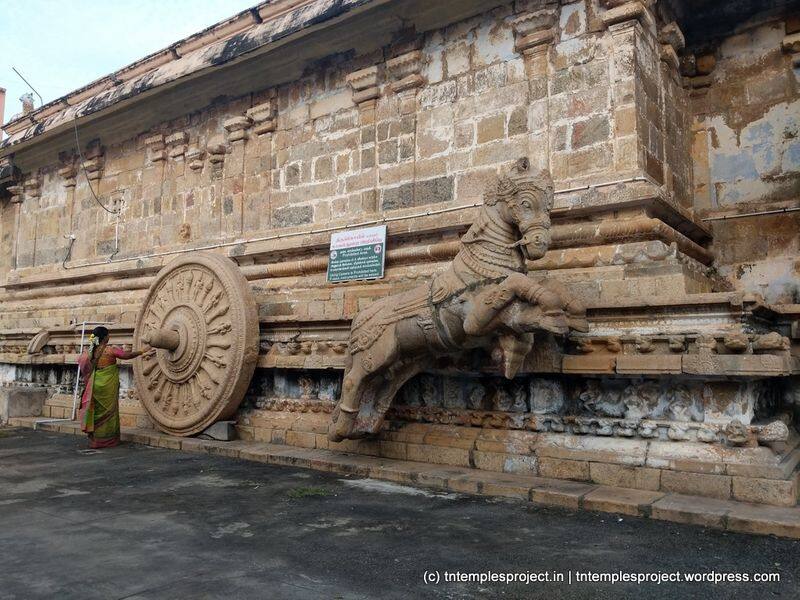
x=41 y=102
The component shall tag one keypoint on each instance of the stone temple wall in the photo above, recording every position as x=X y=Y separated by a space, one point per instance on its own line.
x=746 y=153
x=682 y=382
x=589 y=106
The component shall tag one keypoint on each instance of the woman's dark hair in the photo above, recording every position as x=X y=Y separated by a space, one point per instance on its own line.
x=100 y=333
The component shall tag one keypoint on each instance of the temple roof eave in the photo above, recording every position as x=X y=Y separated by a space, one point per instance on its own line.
x=218 y=45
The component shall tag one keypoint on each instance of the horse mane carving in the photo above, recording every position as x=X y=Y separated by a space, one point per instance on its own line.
x=483 y=299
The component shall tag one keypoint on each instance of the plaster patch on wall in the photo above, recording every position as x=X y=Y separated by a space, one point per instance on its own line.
x=777 y=280
x=759 y=161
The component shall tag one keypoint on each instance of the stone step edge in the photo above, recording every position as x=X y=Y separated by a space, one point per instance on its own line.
x=728 y=515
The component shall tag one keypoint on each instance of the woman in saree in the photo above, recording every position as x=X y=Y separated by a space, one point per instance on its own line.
x=100 y=399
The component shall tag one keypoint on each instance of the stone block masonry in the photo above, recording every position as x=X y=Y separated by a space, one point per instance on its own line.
x=719 y=514
x=261 y=136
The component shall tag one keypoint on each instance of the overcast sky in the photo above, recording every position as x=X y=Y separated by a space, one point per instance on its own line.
x=61 y=45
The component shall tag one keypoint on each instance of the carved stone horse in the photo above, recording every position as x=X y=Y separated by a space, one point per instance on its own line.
x=484 y=299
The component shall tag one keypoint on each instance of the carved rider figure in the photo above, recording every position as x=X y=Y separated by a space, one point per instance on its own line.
x=484 y=299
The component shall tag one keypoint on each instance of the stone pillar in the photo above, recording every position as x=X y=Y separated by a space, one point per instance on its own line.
x=238 y=129
x=17 y=197
x=173 y=189
x=364 y=84
x=259 y=163
x=534 y=34
x=149 y=203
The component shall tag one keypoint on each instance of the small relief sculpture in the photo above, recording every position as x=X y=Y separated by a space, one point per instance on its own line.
x=483 y=300
x=547 y=396
x=476 y=396
x=501 y=400
x=596 y=400
x=452 y=394
x=519 y=397
x=308 y=387
x=430 y=392
x=683 y=406
x=640 y=399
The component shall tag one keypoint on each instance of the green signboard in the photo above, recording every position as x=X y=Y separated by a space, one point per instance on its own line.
x=357 y=254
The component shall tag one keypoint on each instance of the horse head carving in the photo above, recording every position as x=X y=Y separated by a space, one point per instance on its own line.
x=483 y=299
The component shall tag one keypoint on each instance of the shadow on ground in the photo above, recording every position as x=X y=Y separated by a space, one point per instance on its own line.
x=146 y=523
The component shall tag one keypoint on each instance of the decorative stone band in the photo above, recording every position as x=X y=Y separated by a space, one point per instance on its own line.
x=734 y=434
x=563 y=236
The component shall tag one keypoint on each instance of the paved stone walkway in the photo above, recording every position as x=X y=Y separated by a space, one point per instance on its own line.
x=149 y=523
x=731 y=515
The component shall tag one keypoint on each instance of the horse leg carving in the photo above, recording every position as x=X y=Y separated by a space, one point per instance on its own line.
x=370 y=384
x=488 y=304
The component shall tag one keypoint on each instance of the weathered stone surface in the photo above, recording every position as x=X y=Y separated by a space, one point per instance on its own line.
x=290 y=216
x=696 y=484
x=418 y=193
x=21 y=402
x=564 y=469
x=765 y=491
x=692 y=510
x=282 y=149
x=640 y=478
x=620 y=500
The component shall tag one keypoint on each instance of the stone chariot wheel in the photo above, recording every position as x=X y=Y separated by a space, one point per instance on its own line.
x=201 y=316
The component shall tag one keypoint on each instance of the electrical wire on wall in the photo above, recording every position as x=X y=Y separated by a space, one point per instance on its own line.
x=96 y=199
x=83 y=167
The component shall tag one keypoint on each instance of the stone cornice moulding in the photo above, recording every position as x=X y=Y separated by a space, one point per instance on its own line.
x=364 y=84
x=32 y=186
x=216 y=152
x=68 y=170
x=247 y=33
x=264 y=116
x=155 y=148
x=195 y=156
x=237 y=128
x=535 y=31
x=176 y=143
x=219 y=32
x=672 y=42
x=621 y=14
x=405 y=70
x=16 y=192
